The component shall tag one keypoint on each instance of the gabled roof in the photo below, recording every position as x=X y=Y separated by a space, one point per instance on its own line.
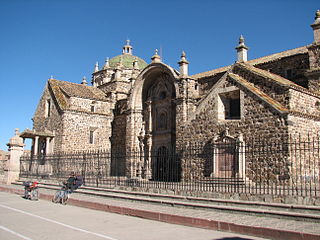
x=257 y=61
x=261 y=95
x=275 y=78
x=63 y=90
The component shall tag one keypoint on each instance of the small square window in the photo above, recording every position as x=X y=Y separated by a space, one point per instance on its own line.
x=229 y=106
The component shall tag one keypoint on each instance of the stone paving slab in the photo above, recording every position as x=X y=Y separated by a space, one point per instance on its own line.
x=271 y=227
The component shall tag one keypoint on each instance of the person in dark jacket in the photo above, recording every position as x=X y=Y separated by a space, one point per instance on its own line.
x=78 y=181
x=71 y=181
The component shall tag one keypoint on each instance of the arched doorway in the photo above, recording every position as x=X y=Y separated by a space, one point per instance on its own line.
x=160 y=166
x=152 y=116
x=159 y=110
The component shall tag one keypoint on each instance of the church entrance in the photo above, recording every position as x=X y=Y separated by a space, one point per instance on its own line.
x=161 y=165
x=226 y=159
x=159 y=119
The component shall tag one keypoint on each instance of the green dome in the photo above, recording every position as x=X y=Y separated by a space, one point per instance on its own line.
x=127 y=61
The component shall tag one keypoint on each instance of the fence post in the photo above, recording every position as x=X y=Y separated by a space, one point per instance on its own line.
x=15 y=147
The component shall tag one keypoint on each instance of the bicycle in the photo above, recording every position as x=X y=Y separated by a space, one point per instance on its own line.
x=31 y=190
x=62 y=195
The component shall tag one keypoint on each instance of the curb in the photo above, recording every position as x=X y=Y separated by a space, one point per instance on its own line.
x=183 y=220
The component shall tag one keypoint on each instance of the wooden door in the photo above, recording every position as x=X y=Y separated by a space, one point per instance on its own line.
x=226 y=159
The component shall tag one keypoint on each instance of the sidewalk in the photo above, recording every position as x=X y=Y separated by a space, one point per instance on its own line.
x=267 y=227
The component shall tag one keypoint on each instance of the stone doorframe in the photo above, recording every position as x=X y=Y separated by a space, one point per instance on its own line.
x=240 y=171
x=137 y=133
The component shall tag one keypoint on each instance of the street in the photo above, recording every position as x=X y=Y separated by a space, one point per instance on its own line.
x=25 y=219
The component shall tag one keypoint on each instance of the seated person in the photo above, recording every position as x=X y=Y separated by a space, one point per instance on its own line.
x=74 y=182
x=78 y=181
x=70 y=183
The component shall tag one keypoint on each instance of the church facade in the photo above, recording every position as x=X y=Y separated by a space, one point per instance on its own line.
x=132 y=105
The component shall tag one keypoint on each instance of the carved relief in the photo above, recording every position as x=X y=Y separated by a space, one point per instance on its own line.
x=315 y=63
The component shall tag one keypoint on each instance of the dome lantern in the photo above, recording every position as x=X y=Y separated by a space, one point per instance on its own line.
x=127 y=49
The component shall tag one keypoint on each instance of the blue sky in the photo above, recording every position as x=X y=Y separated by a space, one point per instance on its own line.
x=65 y=38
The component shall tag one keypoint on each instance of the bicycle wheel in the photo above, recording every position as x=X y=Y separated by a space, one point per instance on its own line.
x=64 y=199
x=56 y=197
x=34 y=194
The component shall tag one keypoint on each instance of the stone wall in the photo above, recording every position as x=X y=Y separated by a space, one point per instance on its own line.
x=72 y=127
x=259 y=122
x=304 y=103
x=53 y=123
x=205 y=84
x=4 y=157
x=269 y=86
x=118 y=140
x=77 y=127
x=292 y=68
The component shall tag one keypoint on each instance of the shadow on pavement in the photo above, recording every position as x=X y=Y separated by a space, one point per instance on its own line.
x=233 y=238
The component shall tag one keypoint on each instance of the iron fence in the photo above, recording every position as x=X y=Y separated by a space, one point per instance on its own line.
x=228 y=166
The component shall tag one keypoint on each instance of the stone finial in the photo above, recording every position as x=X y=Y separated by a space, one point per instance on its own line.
x=135 y=64
x=96 y=67
x=316 y=27
x=156 y=58
x=16 y=140
x=106 y=64
x=117 y=74
x=317 y=17
x=242 y=50
x=127 y=49
x=84 y=80
x=183 y=63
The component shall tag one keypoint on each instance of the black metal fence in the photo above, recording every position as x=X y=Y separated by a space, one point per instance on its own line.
x=232 y=166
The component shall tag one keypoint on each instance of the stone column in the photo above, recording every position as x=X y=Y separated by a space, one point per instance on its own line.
x=47 y=145
x=149 y=120
x=36 y=145
x=148 y=163
x=15 y=146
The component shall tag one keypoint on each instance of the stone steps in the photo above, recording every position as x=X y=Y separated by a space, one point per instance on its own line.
x=276 y=210
x=223 y=181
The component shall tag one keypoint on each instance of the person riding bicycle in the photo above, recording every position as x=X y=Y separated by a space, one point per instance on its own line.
x=31 y=190
x=72 y=183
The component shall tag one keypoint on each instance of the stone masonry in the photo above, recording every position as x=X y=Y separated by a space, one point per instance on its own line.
x=153 y=107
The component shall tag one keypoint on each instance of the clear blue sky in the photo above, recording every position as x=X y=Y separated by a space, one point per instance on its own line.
x=65 y=38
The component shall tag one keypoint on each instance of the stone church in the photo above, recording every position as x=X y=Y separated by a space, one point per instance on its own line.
x=132 y=104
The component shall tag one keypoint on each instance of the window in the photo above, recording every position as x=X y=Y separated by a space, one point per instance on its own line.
x=229 y=105
x=48 y=108
x=92 y=108
x=91 y=137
